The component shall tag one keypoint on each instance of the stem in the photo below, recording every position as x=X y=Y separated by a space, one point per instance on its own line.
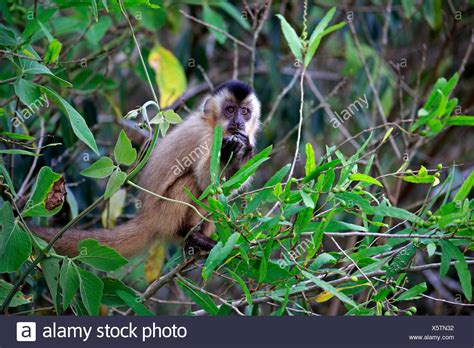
x=139 y=51
x=169 y=199
x=300 y=124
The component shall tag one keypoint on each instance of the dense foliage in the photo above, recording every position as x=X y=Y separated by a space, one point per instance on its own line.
x=361 y=203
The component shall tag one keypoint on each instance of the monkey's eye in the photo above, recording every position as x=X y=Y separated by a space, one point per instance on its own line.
x=244 y=111
x=230 y=109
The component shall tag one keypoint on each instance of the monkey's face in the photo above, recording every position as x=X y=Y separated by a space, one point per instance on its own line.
x=235 y=116
x=236 y=108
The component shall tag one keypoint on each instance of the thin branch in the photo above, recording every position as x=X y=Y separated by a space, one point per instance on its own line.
x=279 y=98
x=124 y=12
x=213 y=27
x=164 y=279
x=243 y=301
x=256 y=34
x=24 y=185
x=329 y=111
x=466 y=55
x=354 y=263
x=372 y=86
x=22 y=56
x=131 y=183
x=300 y=124
x=235 y=73
x=370 y=234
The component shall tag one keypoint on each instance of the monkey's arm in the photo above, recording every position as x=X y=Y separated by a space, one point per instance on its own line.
x=236 y=150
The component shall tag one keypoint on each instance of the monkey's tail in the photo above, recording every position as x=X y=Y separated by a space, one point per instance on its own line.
x=128 y=239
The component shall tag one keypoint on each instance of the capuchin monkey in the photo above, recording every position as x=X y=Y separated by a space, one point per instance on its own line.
x=181 y=159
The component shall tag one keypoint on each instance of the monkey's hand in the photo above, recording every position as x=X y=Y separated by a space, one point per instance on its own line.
x=235 y=145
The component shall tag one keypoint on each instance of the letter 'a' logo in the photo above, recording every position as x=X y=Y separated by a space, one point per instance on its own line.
x=26 y=332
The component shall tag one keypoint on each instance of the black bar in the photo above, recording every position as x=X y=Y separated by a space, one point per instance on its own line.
x=327 y=332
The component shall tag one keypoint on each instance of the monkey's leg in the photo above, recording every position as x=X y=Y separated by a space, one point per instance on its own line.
x=200 y=241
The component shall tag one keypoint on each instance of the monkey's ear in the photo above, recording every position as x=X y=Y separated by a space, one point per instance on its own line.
x=205 y=105
x=209 y=108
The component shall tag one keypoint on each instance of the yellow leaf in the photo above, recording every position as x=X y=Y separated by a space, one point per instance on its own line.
x=170 y=76
x=324 y=296
x=113 y=209
x=154 y=262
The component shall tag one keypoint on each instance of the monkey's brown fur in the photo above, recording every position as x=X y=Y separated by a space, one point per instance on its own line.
x=160 y=219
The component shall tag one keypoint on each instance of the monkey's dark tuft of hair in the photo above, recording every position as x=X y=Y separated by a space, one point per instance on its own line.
x=238 y=88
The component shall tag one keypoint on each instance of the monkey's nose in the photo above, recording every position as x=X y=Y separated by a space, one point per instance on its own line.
x=235 y=128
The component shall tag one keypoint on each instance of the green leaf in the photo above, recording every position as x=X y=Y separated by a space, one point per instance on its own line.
x=409 y=7
x=133 y=303
x=451 y=84
x=308 y=201
x=216 y=155
x=212 y=17
x=18 y=152
x=43 y=186
x=465 y=188
x=310 y=159
x=319 y=32
x=30 y=95
x=461 y=266
x=164 y=125
x=52 y=52
x=401 y=261
x=17 y=136
x=32 y=67
x=124 y=152
x=19 y=298
x=247 y=170
x=94 y=9
x=242 y=284
x=15 y=244
x=465 y=278
x=101 y=168
x=69 y=281
x=234 y=13
x=431 y=248
x=91 y=288
x=172 y=117
x=116 y=180
x=413 y=293
x=365 y=178
x=218 y=254
x=328 y=287
x=461 y=121
x=292 y=38
x=395 y=212
x=79 y=126
x=200 y=298
x=110 y=296
x=8 y=37
x=432 y=13
x=50 y=267
x=320 y=169
x=265 y=195
x=99 y=256
x=7 y=179
x=265 y=260
x=415 y=179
